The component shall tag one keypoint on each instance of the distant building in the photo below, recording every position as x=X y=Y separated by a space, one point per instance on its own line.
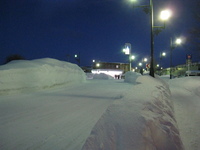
x=115 y=70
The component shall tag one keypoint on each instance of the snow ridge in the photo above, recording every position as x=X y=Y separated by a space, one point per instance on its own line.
x=140 y=121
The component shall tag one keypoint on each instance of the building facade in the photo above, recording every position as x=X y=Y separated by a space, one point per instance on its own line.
x=113 y=69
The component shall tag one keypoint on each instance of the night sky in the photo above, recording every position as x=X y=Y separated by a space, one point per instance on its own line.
x=95 y=29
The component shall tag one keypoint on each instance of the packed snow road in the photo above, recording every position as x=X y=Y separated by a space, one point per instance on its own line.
x=60 y=118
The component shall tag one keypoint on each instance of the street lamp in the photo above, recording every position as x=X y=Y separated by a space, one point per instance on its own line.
x=162 y=54
x=78 y=58
x=164 y=15
x=173 y=46
x=145 y=59
x=141 y=68
x=132 y=57
x=98 y=65
x=178 y=41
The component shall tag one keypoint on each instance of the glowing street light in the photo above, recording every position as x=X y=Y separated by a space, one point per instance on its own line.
x=145 y=59
x=178 y=41
x=173 y=46
x=165 y=14
x=163 y=54
x=132 y=57
x=98 y=65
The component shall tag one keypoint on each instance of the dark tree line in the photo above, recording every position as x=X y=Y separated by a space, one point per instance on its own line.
x=14 y=57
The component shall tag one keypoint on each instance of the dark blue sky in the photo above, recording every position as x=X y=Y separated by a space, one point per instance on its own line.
x=97 y=29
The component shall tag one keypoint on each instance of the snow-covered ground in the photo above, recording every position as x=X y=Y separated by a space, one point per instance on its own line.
x=49 y=104
x=186 y=97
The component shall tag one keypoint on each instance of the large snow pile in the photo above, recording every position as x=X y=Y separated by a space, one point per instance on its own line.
x=143 y=120
x=23 y=75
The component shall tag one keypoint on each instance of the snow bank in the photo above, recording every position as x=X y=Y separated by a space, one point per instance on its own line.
x=186 y=98
x=131 y=77
x=143 y=119
x=191 y=84
x=22 y=75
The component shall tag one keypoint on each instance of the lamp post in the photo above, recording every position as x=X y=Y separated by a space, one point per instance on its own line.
x=164 y=16
x=151 y=73
x=173 y=46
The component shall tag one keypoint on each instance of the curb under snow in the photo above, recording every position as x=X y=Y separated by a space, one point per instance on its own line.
x=142 y=120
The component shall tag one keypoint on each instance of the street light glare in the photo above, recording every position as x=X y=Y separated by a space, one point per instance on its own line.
x=163 y=54
x=132 y=57
x=98 y=65
x=145 y=59
x=178 y=41
x=165 y=14
x=132 y=1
